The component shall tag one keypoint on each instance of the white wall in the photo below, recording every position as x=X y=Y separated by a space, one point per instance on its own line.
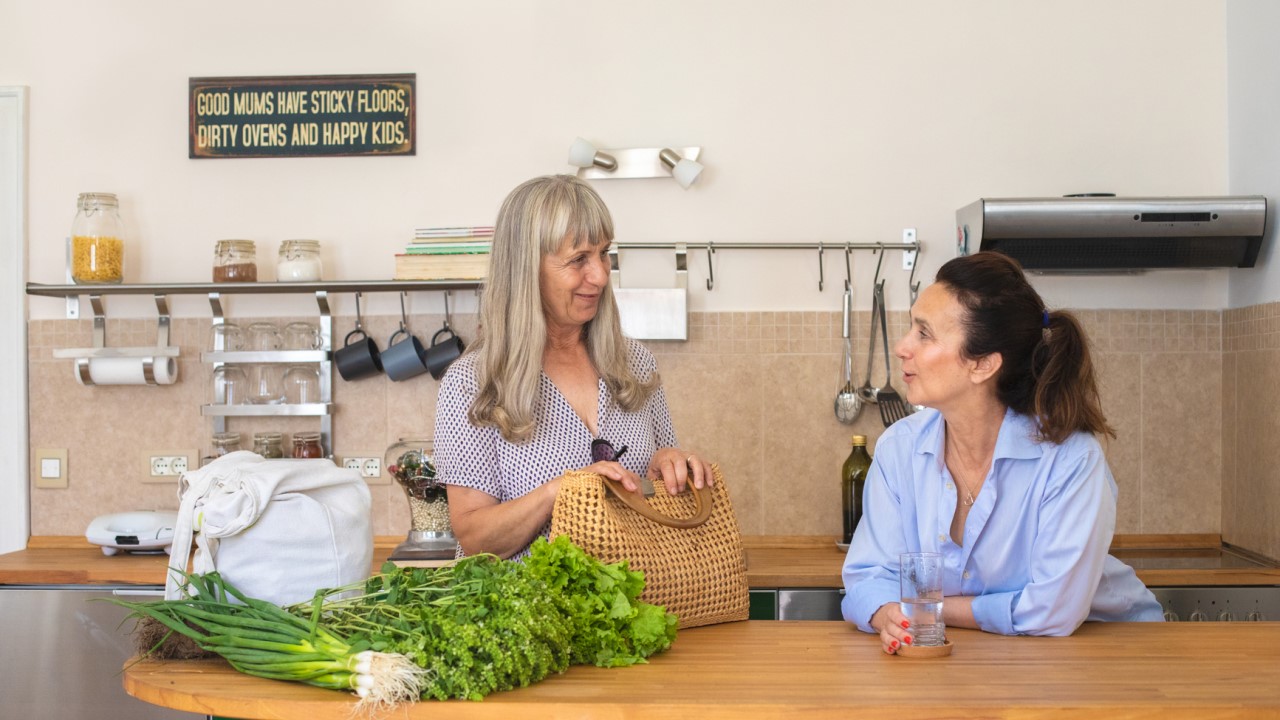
x=1253 y=113
x=14 y=520
x=826 y=120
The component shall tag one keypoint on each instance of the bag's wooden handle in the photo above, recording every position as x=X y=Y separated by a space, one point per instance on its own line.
x=701 y=497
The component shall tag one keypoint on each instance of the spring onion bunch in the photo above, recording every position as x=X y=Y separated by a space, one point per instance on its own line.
x=261 y=639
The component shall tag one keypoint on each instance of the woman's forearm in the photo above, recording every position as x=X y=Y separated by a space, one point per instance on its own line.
x=504 y=529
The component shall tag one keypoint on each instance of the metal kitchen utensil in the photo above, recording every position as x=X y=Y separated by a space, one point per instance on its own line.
x=848 y=405
x=866 y=391
x=892 y=407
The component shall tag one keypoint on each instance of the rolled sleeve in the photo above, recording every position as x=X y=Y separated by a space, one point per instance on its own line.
x=994 y=612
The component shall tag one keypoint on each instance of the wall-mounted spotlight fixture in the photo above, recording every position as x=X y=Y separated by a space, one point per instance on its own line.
x=685 y=172
x=584 y=155
x=616 y=164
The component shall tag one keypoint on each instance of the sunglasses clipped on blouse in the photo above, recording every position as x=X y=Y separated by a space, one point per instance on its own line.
x=603 y=450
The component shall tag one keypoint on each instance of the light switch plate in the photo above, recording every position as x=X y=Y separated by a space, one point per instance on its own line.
x=50 y=468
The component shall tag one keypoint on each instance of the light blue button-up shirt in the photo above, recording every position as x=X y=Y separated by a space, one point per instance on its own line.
x=1035 y=542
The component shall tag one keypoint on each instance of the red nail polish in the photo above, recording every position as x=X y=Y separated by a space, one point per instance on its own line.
x=907 y=639
x=905 y=624
x=894 y=645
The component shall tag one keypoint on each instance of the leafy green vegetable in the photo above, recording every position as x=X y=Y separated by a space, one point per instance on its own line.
x=479 y=626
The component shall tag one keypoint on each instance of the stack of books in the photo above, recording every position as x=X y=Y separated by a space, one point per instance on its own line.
x=446 y=253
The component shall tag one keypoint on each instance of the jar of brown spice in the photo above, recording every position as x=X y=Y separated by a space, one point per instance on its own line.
x=235 y=261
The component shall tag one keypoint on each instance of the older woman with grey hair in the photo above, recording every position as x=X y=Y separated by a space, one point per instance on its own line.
x=551 y=384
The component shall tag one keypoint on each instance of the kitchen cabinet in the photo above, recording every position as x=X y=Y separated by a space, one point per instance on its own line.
x=64 y=647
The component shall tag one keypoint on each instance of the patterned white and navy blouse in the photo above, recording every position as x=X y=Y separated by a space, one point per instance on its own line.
x=480 y=458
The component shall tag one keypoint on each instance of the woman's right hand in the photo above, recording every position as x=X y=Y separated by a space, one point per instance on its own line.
x=615 y=471
x=893 y=626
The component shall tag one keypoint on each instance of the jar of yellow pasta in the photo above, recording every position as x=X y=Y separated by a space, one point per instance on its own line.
x=97 y=240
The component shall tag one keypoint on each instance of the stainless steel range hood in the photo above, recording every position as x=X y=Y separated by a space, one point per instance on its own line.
x=1105 y=233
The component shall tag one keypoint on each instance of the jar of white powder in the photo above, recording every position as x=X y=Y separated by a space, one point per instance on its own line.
x=299 y=261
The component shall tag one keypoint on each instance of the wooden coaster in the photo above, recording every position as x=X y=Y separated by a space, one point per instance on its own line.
x=933 y=651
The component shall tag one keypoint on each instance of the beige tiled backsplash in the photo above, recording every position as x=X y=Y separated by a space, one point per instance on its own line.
x=750 y=390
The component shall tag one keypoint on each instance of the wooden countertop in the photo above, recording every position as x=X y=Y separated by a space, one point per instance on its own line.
x=764 y=669
x=772 y=562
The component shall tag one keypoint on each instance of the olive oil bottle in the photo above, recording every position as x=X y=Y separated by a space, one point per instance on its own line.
x=852 y=479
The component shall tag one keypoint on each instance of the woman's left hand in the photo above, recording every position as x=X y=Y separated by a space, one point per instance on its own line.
x=675 y=468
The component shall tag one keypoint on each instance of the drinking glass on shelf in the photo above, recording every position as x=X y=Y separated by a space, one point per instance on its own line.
x=301 y=336
x=264 y=384
x=230 y=386
x=921 y=586
x=264 y=336
x=301 y=385
x=226 y=337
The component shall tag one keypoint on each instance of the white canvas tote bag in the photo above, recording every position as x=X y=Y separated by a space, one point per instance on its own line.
x=277 y=530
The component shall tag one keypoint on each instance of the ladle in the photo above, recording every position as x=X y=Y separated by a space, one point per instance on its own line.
x=848 y=404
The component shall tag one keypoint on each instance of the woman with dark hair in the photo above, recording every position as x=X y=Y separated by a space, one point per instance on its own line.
x=551 y=383
x=1002 y=475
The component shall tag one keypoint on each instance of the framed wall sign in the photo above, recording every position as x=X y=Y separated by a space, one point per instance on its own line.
x=301 y=116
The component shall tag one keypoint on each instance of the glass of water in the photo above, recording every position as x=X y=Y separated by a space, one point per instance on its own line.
x=921 y=585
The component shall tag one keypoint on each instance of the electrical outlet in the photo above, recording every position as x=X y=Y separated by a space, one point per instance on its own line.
x=369 y=467
x=165 y=466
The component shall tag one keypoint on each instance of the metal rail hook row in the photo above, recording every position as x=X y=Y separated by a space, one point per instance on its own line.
x=711 y=273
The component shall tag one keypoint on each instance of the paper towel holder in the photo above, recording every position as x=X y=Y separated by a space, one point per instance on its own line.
x=149 y=355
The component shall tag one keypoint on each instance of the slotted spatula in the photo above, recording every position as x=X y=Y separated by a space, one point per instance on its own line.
x=892 y=406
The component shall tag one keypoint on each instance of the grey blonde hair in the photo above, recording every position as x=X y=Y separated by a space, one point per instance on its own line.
x=534 y=220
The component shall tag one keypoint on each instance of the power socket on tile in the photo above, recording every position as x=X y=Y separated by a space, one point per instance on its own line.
x=166 y=466
x=370 y=468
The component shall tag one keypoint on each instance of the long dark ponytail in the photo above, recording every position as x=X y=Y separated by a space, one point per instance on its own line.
x=1047 y=371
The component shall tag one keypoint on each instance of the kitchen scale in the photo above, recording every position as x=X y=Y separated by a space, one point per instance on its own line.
x=142 y=531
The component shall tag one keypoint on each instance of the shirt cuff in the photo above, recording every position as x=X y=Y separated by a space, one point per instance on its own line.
x=994 y=612
x=858 y=606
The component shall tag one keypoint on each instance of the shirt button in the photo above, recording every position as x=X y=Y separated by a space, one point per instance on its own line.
x=942 y=538
x=949 y=486
x=966 y=574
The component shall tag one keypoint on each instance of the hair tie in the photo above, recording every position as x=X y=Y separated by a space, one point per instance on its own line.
x=1046 y=334
x=1046 y=318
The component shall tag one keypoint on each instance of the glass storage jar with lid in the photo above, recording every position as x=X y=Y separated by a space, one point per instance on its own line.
x=235 y=261
x=307 y=445
x=97 y=240
x=225 y=442
x=267 y=444
x=299 y=261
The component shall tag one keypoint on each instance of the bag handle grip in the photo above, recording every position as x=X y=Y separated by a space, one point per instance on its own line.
x=702 y=499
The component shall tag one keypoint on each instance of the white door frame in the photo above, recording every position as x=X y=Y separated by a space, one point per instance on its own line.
x=15 y=500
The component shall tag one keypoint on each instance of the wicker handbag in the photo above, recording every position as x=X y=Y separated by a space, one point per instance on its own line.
x=687 y=545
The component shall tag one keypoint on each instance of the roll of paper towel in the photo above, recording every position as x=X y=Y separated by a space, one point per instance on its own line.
x=128 y=371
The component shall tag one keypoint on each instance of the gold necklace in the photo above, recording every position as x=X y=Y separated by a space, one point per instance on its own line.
x=968 y=494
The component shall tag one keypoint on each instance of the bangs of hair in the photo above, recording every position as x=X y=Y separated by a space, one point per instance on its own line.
x=573 y=210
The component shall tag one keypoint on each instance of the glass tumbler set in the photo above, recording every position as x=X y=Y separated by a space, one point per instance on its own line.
x=266 y=383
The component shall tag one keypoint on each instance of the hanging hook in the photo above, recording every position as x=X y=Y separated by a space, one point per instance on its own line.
x=359 y=322
x=711 y=272
x=913 y=285
x=404 y=316
x=848 y=273
x=880 y=250
x=446 y=310
x=820 y=281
